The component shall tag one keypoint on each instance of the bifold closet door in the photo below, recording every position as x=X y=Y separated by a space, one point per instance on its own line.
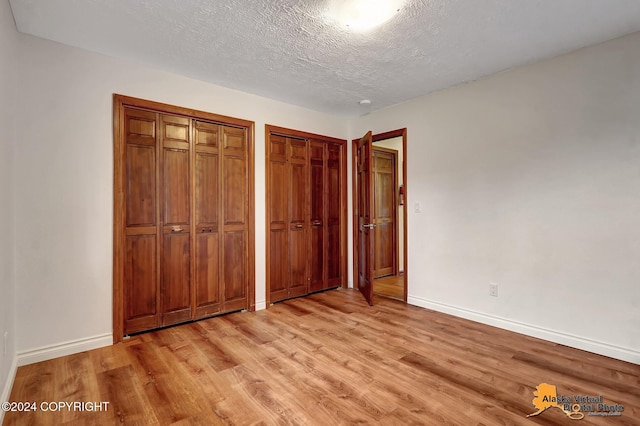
x=207 y=233
x=318 y=210
x=234 y=216
x=183 y=215
x=334 y=225
x=298 y=220
x=175 y=282
x=288 y=217
x=141 y=304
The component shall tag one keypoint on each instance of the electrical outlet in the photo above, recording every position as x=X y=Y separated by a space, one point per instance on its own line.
x=493 y=289
x=5 y=340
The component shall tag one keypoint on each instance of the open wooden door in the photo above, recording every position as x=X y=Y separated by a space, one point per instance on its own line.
x=364 y=189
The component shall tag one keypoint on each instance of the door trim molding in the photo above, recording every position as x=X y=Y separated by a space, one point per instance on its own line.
x=354 y=146
x=120 y=102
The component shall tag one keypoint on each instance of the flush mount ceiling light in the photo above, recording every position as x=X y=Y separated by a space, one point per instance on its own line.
x=363 y=15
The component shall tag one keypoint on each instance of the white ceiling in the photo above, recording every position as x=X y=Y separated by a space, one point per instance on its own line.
x=290 y=51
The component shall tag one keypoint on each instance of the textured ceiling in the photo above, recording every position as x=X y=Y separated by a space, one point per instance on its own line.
x=289 y=50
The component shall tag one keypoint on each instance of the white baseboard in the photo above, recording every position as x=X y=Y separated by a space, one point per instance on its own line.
x=606 y=349
x=62 y=349
x=260 y=305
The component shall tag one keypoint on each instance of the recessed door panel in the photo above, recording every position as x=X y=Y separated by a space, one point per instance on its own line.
x=365 y=216
x=234 y=189
x=176 y=187
x=140 y=189
x=234 y=266
x=207 y=279
x=140 y=283
x=176 y=277
x=206 y=189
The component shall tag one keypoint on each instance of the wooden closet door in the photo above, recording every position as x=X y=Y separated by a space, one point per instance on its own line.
x=207 y=297
x=334 y=225
x=318 y=214
x=278 y=217
x=141 y=304
x=298 y=253
x=175 y=281
x=235 y=199
x=384 y=211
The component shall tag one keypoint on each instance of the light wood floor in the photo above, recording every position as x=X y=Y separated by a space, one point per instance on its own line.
x=390 y=286
x=326 y=359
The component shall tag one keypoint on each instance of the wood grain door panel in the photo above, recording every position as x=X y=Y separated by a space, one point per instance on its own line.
x=207 y=270
x=235 y=196
x=141 y=301
x=176 y=187
x=334 y=216
x=176 y=277
x=208 y=288
x=298 y=254
x=141 y=185
x=140 y=283
x=317 y=188
x=384 y=170
x=365 y=217
x=235 y=286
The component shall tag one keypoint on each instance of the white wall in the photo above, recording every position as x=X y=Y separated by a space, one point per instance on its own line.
x=7 y=134
x=531 y=179
x=64 y=171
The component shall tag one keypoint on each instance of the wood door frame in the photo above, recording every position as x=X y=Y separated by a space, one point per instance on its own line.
x=120 y=102
x=354 y=146
x=282 y=131
x=396 y=254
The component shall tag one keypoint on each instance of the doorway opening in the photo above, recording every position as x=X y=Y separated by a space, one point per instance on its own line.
x=380 y=234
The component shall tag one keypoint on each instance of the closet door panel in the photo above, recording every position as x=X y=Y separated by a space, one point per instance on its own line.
x=334 y=225
x=176 y=277
x=234 y=270
x=175 y=281
x=207 y=237
x=207 y=274
x=140 y=195
x=317 y=215
x=234 y=214
x=176 y=187
x=278 y=218
x=235 y=184
x=206 y=189
x=298 y=222
x=278 y=265
x=141 y=304
x=140 y=283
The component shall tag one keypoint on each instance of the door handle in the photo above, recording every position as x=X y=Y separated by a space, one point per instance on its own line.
x=299 y=226
x=317 y=223
x=369 y=226
x=176 y=228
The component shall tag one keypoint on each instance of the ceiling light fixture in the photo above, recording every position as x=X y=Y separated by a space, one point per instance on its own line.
x=363 y=15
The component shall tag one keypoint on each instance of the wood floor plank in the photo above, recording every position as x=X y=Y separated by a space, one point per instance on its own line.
x=326 y=359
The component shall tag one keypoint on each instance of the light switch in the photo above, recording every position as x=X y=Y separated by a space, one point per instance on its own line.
x=418 y=208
